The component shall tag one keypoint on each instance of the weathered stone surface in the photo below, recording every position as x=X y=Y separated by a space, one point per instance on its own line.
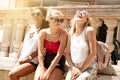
x=106 y=77
x=6 y=63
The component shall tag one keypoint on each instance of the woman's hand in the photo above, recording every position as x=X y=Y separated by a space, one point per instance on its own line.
x=75 y=73
x=25 y=60
x=44 y=75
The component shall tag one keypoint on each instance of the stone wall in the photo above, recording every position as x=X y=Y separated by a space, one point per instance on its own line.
x=15 y=21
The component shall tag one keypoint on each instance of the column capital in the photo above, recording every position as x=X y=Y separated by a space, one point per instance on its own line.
x=111 y=23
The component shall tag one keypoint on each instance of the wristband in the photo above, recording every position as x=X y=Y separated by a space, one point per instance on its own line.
x=30 y=57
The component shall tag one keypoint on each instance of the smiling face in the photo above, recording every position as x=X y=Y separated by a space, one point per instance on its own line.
x=56 y=19
x=81 y=16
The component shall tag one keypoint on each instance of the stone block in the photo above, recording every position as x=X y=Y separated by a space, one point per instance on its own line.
x=7 y=63
x=107 y=77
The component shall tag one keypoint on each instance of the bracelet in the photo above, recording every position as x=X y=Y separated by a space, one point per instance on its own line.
x=30 y=57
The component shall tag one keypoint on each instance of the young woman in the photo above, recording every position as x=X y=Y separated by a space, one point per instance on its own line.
x=51 y=45
x=27 y=55
x=81 y=48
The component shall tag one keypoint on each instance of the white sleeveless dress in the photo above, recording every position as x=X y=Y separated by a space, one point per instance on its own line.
x=79 y=49
x=79 y=52
x=30 y=44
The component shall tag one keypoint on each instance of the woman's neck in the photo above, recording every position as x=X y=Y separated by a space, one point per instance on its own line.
x=79 y=29
x=54 y=30
x=38 y=25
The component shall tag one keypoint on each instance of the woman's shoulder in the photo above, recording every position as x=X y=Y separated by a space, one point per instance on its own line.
x=63 y=31
x=43 y=31
x=89 y=29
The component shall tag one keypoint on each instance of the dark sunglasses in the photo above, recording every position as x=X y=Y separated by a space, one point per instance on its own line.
x=56 y=20
x=35 y=14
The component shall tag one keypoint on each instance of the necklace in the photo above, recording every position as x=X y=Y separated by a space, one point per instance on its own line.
x=37 y=30
x=32 y=34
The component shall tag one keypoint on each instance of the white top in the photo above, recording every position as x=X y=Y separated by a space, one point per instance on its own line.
x=30 y=44
x=79 y=49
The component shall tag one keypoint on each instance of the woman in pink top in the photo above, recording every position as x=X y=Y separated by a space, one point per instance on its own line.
x=51 y=45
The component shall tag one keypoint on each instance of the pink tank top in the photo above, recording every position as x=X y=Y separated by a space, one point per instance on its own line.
x=52 y=46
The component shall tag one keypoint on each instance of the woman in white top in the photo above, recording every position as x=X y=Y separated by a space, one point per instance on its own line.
x=27 y=55
x=81 y=48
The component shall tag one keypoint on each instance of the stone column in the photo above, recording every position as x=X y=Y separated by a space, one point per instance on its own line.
x=118 y=31
x=17 y=38
x=111 y=24
x=5 y=44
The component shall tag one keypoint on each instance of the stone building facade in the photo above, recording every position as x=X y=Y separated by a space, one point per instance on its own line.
x=15 y=22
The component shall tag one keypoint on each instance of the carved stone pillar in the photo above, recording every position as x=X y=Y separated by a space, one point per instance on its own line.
x=118 y=31
x=111 y=24
x=5 y=44
x=17 y=38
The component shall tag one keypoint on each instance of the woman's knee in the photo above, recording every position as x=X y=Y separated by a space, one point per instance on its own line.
x=57 y=72
x=12 y=74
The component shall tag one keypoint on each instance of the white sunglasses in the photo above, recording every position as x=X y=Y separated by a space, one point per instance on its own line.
x=81 y=12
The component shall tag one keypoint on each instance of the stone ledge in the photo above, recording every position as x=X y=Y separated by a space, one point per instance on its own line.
x=106 y=77
x=7 y=64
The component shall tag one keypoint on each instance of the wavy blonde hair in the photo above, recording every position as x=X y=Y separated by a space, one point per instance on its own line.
x=53 y=12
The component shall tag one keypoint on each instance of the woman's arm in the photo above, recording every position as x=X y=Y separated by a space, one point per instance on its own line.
x=19 y=51
x=41 y=48
x=67 y=52
x=30 y=57
x=63 y=40
x=91 y=39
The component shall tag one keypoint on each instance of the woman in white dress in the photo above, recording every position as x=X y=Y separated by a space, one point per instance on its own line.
x=81 y=48
x=27 y=55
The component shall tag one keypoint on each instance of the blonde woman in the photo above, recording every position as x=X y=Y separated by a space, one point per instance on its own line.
x=81 y=48
x=51 y=45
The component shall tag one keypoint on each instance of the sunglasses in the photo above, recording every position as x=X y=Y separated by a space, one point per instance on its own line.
x=56 y=20
x=35 y=14
x=81 y=12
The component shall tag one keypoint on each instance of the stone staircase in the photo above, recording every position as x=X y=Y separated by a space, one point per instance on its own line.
x=6 y=64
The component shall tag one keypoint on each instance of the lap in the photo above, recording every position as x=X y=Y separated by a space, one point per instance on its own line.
x=89 y=74
x=53 y=76
x=57 y=72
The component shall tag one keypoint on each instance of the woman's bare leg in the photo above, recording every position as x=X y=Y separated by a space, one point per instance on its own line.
x=57 y=74
x=37 y=73
x=21 y=70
